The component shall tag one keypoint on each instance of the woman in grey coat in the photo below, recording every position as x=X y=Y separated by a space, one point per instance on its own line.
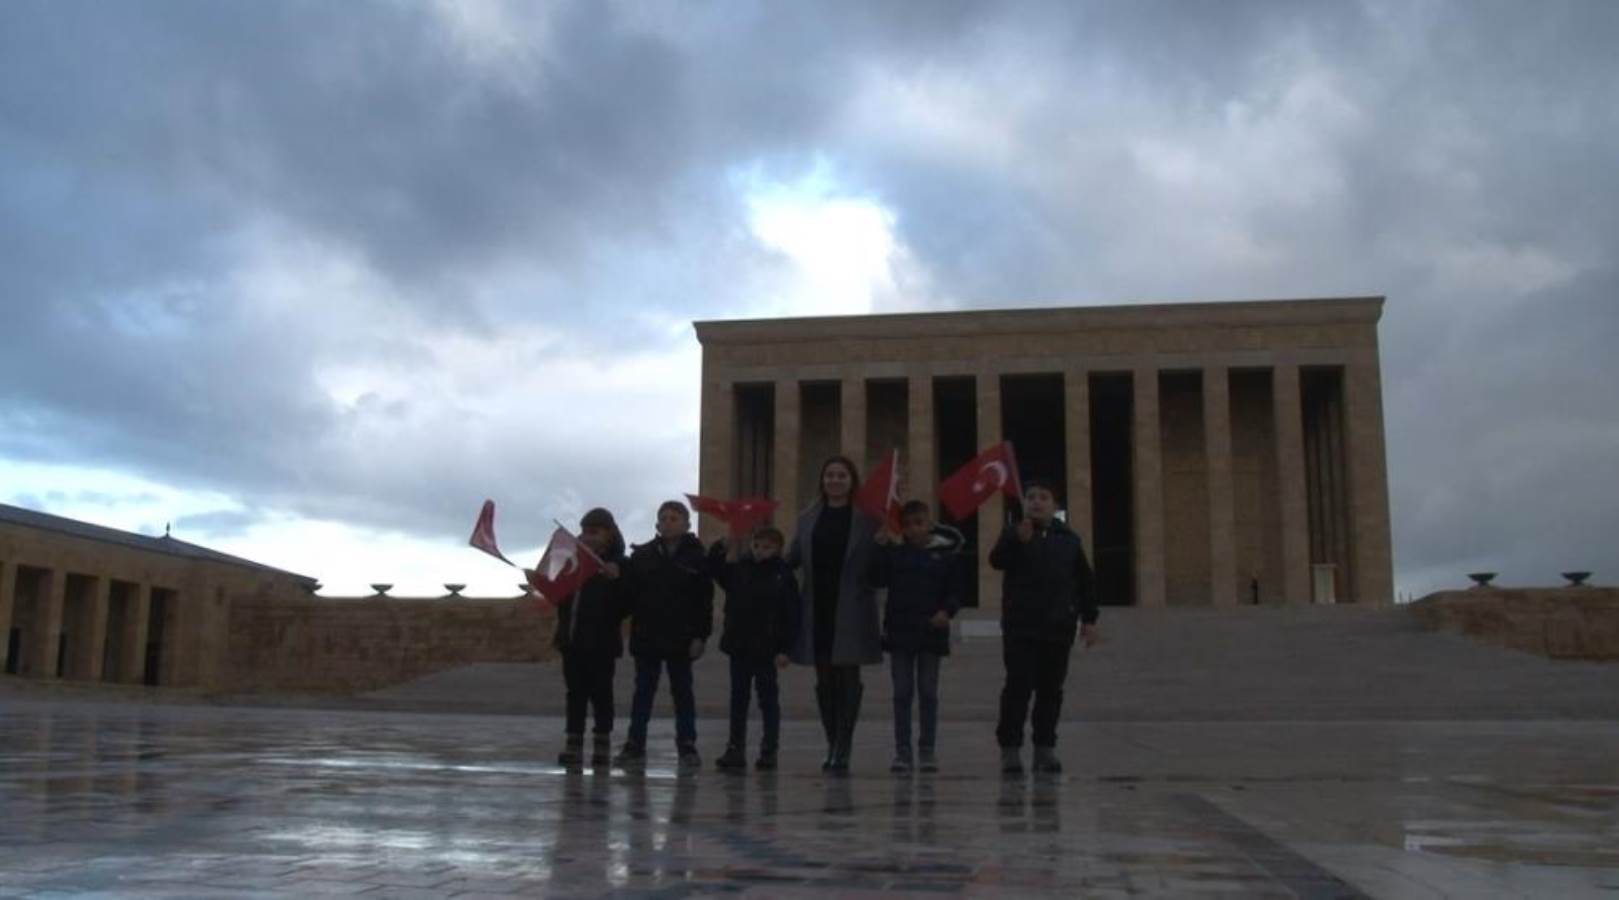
x=840 y=631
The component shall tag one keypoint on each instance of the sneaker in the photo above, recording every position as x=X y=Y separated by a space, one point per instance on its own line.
x=631 y=754
x=926 y=761
x=732 y=760
x=1046 y=761
x=766 y=761
x=689 y=758
x=573 y=751
x=901 y=764
x=1011 y=761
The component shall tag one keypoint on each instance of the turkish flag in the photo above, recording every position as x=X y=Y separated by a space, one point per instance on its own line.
x=991 y=472
x=878 y=496
x=483 y=533
x=565 y=565
x=742 y=515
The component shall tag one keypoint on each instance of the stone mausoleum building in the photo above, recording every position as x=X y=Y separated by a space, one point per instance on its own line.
x=1210 y=454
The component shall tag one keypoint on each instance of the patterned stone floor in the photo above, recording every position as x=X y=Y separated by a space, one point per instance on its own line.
x=98 y=799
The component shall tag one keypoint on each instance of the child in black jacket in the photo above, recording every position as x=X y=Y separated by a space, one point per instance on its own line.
x=762 y=614
x=921 y=569
x=589 y=637
x=672 y=616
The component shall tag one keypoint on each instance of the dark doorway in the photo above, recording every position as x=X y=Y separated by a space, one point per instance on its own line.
x=1032 y=418
x=955 y=419
x=1113 y=489
x=1321 y=394
x=13 y=649
x=755 y=438
x=119 y=599
x=156 y=622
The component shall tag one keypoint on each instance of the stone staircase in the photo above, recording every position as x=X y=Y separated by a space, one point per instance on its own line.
x=1246 y=664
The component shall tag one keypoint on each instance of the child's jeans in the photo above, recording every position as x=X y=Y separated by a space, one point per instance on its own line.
x=916 y=674
x=647 y=670
x=588 y=679
x=748 y=675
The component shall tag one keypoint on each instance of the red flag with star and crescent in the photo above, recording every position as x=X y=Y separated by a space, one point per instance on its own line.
x=565 y=565
x=741 y=516
x=483 y=533
x=878 y=496
x=991 y=472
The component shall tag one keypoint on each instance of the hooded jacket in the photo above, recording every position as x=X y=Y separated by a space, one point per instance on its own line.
x=1047 y=588
x=922 y=582
x=762 y=608
x=673 y=601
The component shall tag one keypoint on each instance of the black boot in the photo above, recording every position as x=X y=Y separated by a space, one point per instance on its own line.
x=734 y=759
x=848 y=717
x=601 y=749
x=573 y=751
x=826 y=699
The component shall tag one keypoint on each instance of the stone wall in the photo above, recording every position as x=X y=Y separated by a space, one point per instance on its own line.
x=362 y=643
x=1561 y=623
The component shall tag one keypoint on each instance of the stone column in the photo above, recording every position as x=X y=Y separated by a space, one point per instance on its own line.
x=8 y=603
x=136 y=621
x=92 y=645
x=784 y=451
x=1222 y=510
x=1149 y=489
x=716 y=444
x=992 y=515
x=48 y=623
x=1077 y=437
x=921 y=462
x=1372 y=580
x=852 y=419
x=1294 y=514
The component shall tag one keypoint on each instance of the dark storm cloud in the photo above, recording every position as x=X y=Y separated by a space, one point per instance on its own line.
x=248 y=247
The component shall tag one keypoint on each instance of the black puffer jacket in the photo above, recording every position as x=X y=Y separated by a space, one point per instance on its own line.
x=591 y=619
x=1047 y=588
x=922 y=582
x=762 y=608
x=673 y=597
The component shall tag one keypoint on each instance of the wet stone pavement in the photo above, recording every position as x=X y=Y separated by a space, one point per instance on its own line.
x=183 y=801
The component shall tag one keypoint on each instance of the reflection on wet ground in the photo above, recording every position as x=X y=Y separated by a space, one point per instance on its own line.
x=198 y=801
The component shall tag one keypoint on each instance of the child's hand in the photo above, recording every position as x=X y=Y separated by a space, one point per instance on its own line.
x=941 y=619
x=781 y=660
x=697 y=646
x=1025 y=530
x=885 y=536
x=1090 y=634
x=611 y=571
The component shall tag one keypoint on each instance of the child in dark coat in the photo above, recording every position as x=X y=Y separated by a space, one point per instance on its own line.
x=921 y=569
x=762 y=614
x=589 y=637
x=672 y=616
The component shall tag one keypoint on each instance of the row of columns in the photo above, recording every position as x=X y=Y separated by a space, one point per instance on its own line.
x=89 y=649
x=1368 y=500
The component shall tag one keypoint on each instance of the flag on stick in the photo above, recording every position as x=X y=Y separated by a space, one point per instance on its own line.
x=990 y=472
x=878 y=496
x=565 y=565
x=741 y=516
x=483 y=533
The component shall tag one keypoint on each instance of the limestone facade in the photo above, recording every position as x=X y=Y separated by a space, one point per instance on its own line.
x=1211 y=454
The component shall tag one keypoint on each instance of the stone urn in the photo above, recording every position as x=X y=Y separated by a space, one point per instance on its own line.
x=455 y=589
x=1482 y=579
x=382 y=589
x=1577 y=579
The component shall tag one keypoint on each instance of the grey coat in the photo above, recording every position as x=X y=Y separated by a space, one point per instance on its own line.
x=857 y=637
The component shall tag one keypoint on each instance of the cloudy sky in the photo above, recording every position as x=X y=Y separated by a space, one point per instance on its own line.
x=310 y=280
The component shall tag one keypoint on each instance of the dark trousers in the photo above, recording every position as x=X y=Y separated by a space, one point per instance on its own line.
x=747 y=676
x=916 y=675
x=647 y=671
x=1038 y=668
x=588 y=678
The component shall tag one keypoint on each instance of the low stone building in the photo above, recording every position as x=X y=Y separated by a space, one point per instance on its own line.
x=87 y=603
x=1209 y=453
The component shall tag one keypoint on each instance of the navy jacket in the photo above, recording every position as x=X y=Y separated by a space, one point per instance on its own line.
x=673 y=597
x=762 y=607
x=591 y=620
x=921 y=582
x=1046 y=585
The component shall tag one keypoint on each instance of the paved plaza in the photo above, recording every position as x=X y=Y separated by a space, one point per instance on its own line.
x=105 y=799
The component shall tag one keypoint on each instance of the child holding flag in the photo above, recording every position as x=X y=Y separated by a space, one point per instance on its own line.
x=761 y=624
x=589 y=637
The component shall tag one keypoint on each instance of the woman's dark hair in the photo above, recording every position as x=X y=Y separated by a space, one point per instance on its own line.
x=847 y=464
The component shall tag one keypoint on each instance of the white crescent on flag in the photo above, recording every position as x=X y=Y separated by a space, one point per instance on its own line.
x=997 y=469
